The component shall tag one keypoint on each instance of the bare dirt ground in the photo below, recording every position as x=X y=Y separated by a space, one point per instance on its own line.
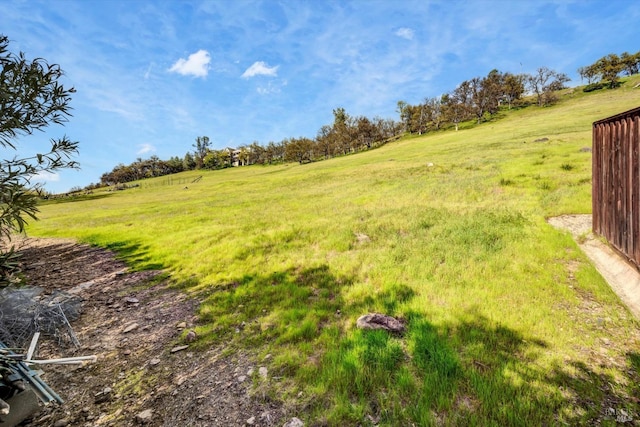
x=142 y=376
x=623 y=277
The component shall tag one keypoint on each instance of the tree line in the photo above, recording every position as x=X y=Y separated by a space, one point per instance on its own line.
x=347 y=134
x=606 y=71
x=478 y=99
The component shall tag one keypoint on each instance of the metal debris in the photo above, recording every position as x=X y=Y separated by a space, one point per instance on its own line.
x=25 y=311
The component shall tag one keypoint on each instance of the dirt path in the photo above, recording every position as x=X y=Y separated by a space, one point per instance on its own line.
x=132 y=328
x=623 y=278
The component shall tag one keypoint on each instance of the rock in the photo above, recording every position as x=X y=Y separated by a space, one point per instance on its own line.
x=242 y=378
x=380 y=321
x=131 y=300
x=179 y=348
x=131 y=327
x=251 y=421
x=263 y=372
x=362 y=238
x=145 y=416
x=294 y=422
x=103 y=396
x=61 y=423
x=191 y=336
x=181 y=325
x=155 y=361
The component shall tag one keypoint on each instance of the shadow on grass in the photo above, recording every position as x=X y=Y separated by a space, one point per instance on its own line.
x=471 y=371
x=468 y=371
x=56 y=200
x=135 y=255
x=288 y=306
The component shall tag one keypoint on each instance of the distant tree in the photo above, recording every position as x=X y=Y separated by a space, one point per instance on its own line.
x=174 y=165
x=201 y=149
x=630 y=63
x=366 y=132
x=544 y=82
x=298 y=150
x=419 y=118
x=274 y=152
x=342 y=130
x=404 y=111
x=486 y=93
x=589 y=73
x=214 y=159
x=256 y=154
x=457 y=104
x=513 y=87
x=325 y=139
x=434 y=112
x=609 y=68
x=31 y=98
x=243 y=155
x=188 y=163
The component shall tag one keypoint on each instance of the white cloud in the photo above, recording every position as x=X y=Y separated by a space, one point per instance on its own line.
x=45 y=177
x=196 y=65
x=147 y=74
x=260 y=68
x=146 y=148
x=405 y=33
x=272 y=87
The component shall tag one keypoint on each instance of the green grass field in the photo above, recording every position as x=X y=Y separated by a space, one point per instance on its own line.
x=508 y=322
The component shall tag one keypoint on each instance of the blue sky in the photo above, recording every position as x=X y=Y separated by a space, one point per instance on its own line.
x=151 y=76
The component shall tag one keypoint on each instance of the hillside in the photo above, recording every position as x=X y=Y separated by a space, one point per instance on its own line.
x=507 y=321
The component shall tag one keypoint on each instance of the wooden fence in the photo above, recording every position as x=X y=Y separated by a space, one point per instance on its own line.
x=616 y=182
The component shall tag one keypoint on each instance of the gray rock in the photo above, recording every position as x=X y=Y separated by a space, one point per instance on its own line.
x=191 y=336
x=294 y=422
x=251 y=421
x=380 y=321
x=103 y=396
x=131 y=327
x=145 y=416
x=362 y=238
x=263 y=372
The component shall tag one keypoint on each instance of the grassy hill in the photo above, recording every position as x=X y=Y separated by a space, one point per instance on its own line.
x=508 y=322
